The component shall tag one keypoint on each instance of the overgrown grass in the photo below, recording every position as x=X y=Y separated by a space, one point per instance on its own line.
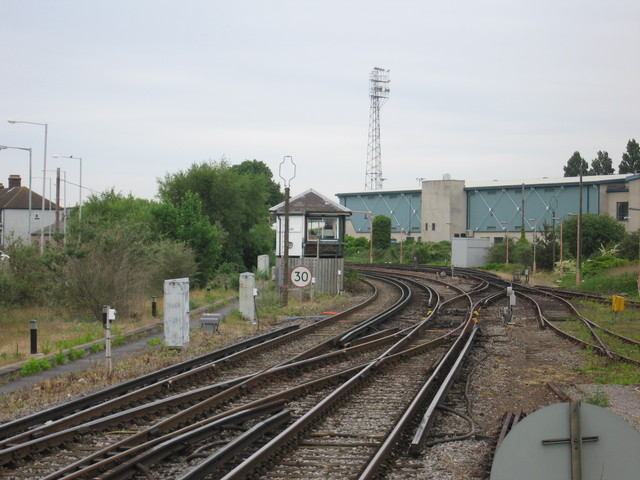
x=617 y=280
x=599 y=398
x=626 y=323
x=59 y=331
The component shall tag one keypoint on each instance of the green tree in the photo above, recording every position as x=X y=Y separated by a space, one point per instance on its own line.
x=597 y=231
x=544 y=241
x=381 y=232
x=602 y=164
x=256 y=169
x=630 y=245
x=631 y=159
x=522 y=253
x=186 y=223
x=236 y=199
x=575 y=165
x=110 y=210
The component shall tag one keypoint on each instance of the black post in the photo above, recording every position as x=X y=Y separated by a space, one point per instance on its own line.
x=34 y=336
x=154 y=307
x=285 y=291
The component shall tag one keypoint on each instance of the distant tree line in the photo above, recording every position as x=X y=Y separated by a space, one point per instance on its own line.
x=603 y=165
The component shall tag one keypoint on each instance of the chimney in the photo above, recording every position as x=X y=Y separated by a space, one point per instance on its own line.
x=14 y=181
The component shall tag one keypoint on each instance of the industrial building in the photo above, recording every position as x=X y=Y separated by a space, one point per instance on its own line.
x=447 y=209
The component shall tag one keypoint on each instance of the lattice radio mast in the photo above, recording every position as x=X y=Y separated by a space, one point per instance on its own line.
x=379 y=93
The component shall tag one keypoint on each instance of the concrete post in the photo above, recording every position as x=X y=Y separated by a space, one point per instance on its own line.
x=176 y=312
x=247 y=300
x=263 y=263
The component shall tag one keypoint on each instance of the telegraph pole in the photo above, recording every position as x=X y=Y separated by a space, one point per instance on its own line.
x=285 y=261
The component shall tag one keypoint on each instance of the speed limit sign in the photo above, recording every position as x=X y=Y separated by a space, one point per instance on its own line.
x=301 y=276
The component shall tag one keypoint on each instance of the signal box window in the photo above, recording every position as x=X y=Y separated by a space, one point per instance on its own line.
x=322 y=228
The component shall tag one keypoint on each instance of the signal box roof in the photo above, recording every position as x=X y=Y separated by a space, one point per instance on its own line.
x=311 y=202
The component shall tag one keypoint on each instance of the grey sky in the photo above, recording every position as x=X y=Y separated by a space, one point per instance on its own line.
x=480 y=90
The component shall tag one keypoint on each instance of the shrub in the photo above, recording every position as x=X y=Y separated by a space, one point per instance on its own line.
x=75 y=354
x=351 y=278
x=601 y=264
x=155 y=341
x=35 y=365
x=59 y=358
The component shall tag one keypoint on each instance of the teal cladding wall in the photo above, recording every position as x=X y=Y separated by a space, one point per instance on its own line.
x=404 y=208
x=488 y=208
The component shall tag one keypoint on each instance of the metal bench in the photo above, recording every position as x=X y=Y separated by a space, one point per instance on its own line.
x=209 y=322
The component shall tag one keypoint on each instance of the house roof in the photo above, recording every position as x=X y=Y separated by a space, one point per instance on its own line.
x=17 y=198
x=311 y=202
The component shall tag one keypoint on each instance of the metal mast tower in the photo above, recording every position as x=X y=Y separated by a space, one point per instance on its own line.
x=379 y=93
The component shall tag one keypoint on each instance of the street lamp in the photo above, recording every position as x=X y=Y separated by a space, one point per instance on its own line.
x=43 y=196
x=44 y=176
x=507 y=241
x=370 y=214
x=534 y=242
x=80 y=196
x=561 y=263
x=638 y=210
x=4 y=147
x=578 y=242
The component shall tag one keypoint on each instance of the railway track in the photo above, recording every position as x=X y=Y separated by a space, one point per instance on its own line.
x=363 y=400
x=199 y=401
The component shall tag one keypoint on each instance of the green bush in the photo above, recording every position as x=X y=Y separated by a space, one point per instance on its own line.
x=351 y=278
x=75 y=354
x=601 y=264
x=59 y=358
x=35 y=365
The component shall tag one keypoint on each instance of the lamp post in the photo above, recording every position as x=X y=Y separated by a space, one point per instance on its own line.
x=4 y=147
x=638 y=210
x=80 y=189
x=402 y=232
x=579 y=234
x=561 y=264
x=507 y=241
x=535 y=231
x=44 y=176
x=578 y=244
x=42 y=230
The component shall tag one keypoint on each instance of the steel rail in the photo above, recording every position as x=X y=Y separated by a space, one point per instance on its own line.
x=601 y=348
x=60 y=431
x=361 y=329
x=460 y=350
x=217 y=459
x=111 y=456
x=425 y=424
x=245 y=469
x=129 y=386
x=548 y=293
x=178 y=443
x=224 y=395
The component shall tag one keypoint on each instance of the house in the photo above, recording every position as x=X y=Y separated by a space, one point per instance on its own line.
x=21 y=213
